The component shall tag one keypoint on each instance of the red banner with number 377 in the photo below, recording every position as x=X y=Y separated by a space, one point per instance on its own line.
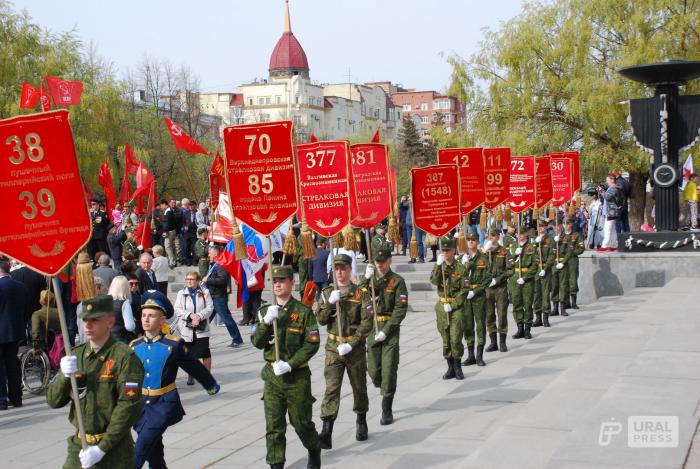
x=46 y=219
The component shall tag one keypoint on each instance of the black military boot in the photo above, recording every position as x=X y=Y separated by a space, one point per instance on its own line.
x=527 y=332
x=573 y=301
x=361 y=427
x=450 y=373
x=521 y=331
x=538 y=320
x=502 y=347
x=545 y=320
x=555 y=309
x=567 y=302
x=325 y=438
x=562 y=309
x=470 y=358
x=387 y=416
x=493 y=346
x=457 y=367
x=314 y=459
x=480 y=355
x=277 y=465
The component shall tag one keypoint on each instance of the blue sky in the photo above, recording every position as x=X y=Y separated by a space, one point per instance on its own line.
x=229 y=42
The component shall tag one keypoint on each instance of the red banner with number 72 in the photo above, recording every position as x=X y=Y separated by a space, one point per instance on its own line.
x=522 y=183
x=260 y=174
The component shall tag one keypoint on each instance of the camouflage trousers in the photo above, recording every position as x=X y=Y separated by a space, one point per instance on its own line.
x=289 y=393
x=120 y=456
x=383 y=362
x=521 y=296
x=497 y=309
x=572 y=275
x=474 y=311
x=543 y=287
x=355 y=363
x=559 y=286
x=452 y=345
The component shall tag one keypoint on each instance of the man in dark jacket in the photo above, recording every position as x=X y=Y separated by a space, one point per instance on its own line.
x=13 y=306
x=100 y=225
x=219 y=283
x=318 y=266
x=188 y=234
x=35 y=283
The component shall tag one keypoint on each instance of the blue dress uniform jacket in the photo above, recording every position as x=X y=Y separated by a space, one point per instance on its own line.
x=162 y=356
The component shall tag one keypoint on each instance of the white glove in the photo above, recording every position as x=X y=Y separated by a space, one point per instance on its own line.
x=538 y=239
x=520 y=281
x=560 y=266
x=447 y=308
x=334 y=297
x=344 y=349
x=465 y=259
x=488 y=245
x=91 y=456
x=380 y=336
x=369 y=272
x=281 y=368
x=518 y=251
x=69 y=365
x=556 y=239
x=542 y=273
x=493 y=282
x=272 y=313
x=470 y=295
x=440 y=259
x=140 y=247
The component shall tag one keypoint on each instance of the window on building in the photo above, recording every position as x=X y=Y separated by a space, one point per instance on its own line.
x=423 y=106
x=250 y=101
x=447 y=117
x=406 y=108
x=261 y=100
x=278 y=99
x=424 y=119
x=296 y=120
x=448 y=130
x=338 y=123
x=296 y=99
x=268 y=100
x=264 y=117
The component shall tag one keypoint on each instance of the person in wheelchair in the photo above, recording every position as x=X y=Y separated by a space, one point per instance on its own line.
x=44 y=320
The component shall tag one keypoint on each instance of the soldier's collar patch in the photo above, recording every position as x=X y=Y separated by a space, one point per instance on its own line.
x=390 y=284
x=294 y=317
x=107 y=369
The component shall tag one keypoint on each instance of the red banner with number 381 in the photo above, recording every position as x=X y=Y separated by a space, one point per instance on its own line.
x=46 y=220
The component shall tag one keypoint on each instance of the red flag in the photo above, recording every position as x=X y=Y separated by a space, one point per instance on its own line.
x=144 y=178
x=375 y=137
x=182 y=140
x=125 y=189
x=30 y=96
x=86 y=188
x=131 y=163
x=313 y=139
x=435 y=192
x=522 y=183
x=370 y=168
x=64 y=93
x=562 y=177
x=543 y=180
x=104 y=179
x=217 y=180
x=471 y=174
x=45 y=100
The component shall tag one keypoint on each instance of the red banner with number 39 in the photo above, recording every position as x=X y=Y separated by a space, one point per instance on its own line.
x=46 y=219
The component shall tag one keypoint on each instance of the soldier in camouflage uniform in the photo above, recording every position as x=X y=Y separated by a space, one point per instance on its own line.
x=351 y=354
x=510 y=236
x=497 y=292
x=478 y=277
x=543 y=281
x=559 y=286
x=287 y=381
x=201 y=251
x=575 y=246
x=109 y=377
x=448 y=309
x=130 y=250
x=383 y=341
x=379 y=240
x=521 y=286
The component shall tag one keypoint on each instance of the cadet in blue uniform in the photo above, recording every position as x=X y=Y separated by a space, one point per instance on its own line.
x=162 y=355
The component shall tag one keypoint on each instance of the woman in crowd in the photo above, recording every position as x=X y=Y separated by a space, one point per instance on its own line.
x=597 y=220
x=124 y=329
x=161 y=268
x=613 y=204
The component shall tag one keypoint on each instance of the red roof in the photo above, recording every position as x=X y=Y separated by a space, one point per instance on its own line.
x=288 y=54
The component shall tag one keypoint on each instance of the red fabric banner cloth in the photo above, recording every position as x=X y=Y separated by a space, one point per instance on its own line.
x=29 y=97
x=522 y=183
x=217 y=180
x=471 y=172
x=324 y=184
x=436 y=204
x=104 y=179
x=370 y=168
x=260 y=167
x=64 y=92
x=543 y=181
x=575 y=167
x=182 y=140
x=130 y=162
x=562 y=185
x=496 y=176
x=47 y=220
x=45 y=100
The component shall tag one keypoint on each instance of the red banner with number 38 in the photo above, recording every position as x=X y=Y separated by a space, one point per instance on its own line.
x=435 y=192
x=260 y=174
x=46 y=220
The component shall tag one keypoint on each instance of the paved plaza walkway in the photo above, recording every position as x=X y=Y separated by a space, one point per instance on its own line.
x=541 y=405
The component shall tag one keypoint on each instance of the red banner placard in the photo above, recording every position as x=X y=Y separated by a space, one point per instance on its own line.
x=543 y=184
x=260 y=174
x=436 y=204
x=46 y=219
x=324 y=183
x=522 y=183
x=471 y=173
x=496 y=176
x=370 y=168
x=575 y=167
x=561 y=181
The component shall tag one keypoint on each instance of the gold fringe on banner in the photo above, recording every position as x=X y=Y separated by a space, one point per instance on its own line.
x=393 y=232
x=578 y=199
x=483 y=218
x=462 y=242
x=572 y=209
x=85 y=281
x=308 y=247
x=499 y=215
x=290 y=243
x=338 y=240
x=552 y=213
x=239 y=247
x=413 y=246
x=535 y=214
x=349 y=239
x=508 y=214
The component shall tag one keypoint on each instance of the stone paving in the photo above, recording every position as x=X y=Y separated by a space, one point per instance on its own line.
x=540 y=405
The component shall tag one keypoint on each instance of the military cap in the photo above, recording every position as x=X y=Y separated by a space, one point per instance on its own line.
x=542 y=223
x=202 y=229
x=282 y=271
x=97 y=307
x=382 y=254
x=380 y=225
x=447 y=243
x=495 y=231
x=342 y=259
x=471 y=236
x=155 y=299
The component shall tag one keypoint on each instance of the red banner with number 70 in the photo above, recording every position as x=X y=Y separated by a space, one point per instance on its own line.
x=260 y=174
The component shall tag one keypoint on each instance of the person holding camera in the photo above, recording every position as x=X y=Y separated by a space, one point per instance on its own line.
x=193 y=308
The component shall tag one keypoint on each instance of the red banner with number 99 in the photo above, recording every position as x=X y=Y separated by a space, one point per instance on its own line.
x=435 y=192
x=46 y=219
x=260 y=174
